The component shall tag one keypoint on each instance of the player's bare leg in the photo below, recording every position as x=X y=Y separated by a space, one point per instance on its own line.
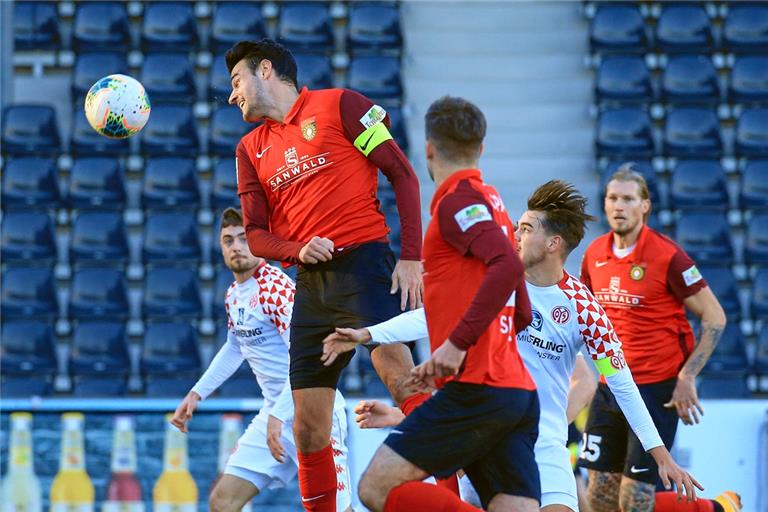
x=603 y=491
x=636 y=496
x=386 y=471
x=556 y=508
x=508 y=503
x=231 y=494
x=393 y=363
x=313 y=418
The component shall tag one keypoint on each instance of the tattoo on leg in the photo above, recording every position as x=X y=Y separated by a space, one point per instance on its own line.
x=603 y=491
x=637 y=496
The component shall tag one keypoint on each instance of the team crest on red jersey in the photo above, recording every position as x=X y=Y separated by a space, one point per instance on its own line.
x=309 y=128
x=637 y=272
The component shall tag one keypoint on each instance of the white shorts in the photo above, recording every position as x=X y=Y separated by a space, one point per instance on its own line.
x=252 y=461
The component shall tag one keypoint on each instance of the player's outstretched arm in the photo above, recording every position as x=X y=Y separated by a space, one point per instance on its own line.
x=184 y=411
x=375 y=414
x=342 y=340
x=670 y=472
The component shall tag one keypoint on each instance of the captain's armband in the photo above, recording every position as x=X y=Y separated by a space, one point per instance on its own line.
x=372 y=137
x=611 y=365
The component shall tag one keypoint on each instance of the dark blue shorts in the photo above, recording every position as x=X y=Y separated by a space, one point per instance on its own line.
x=489 y=432
x=352 y=290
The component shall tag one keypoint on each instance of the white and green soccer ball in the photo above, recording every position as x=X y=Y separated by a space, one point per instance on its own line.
x=117 y=106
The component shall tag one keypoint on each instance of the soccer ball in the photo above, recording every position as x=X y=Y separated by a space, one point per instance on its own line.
x=117 y=106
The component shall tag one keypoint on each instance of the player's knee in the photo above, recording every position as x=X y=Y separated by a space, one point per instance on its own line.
x=370 y=494
x=309 y=438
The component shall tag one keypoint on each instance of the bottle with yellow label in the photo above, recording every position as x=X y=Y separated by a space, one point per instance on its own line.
x=21 y=490
x=124 y=489
x=231 y=430
x=175 y=490
x=72 y=489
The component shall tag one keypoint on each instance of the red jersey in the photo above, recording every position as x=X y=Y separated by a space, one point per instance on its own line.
x=643 y=294
x=474 y=291
x=316 y=174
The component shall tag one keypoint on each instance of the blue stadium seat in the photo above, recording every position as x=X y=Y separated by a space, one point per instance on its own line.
x=756 y=241
x=690 y=79
x=314 y=71
x=234 y=22
x=99 y=238
x=86 y=141
x=624 y=132
x=172 y=132
x=377 y=77
x=618 y=28
x=35 y=26
x=705 y=237
x=219 y=83
x=752 y=133
x=170 y=239
x=168 y=77
x=699 y=184
x=27 y=360
x=746 y=27
x=749 y=80
x=170 y=361
x=723 y=284
x=89 y=67
x=224 y=185
x=96 y=182
x=169 y=26
x=170 y=183
x=28 y=238
x=30 y=183
x=644 y=168
x=761 y=355
x=242 y=384
x=222 y=283
x=171 y=293
x=692 y=132
x=397 y=127
x=373 y=26
x=98 y=293
x=684 y=28
x=754 y=185
x=724 y=385
x=30 y=130
x=623 y=78
x=99 y=363
x=305 y=26
x=101 y=26
x=759 y=305
x=29 y=293
x=227 y=128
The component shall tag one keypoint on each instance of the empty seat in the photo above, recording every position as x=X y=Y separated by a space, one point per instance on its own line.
x=377 y=77
x=35 y=26
x=234 y=22
x=373 y=27
x=96 y=182
x=724 y=385
x=219 y=83
x=29 y=293
x=692 y=132
x=754 y=185
x=101 y=26
x=624 y=132
x=224 y=185
x=28 y=238
x=699 y=184
x=221 y=285
x=28 y=361
x=99 y=361
x=705 y=237
x=227 y=128
x=746 y=27
x=30 y=130
x=87 y=141
x=618 y=28
x=314 y=71
x=684 y=28
x=90 y=67
x=30 y=182
x=749 y=80
x=759 y=305
x=305 y=26
x=170 y=361
x=761 y=355
x=98 y=293
x=168 y=77
x=99 y=238
x=690 y=79
x=642 y=167
x=756 y=242
x=723 y=284
x=169 y=26
x=171 y=292
x=623 y=78
x=170 y=183
x=172 y=132
x=171 y=238
x=752 y=133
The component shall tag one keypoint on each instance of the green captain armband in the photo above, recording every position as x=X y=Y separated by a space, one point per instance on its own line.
x=611 y=365
x=372 y=137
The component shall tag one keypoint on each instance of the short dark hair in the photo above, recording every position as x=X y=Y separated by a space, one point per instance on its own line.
x=456 y=127
x=255 y=51
x=231 y=217
x=565 y=210
x=626 y=172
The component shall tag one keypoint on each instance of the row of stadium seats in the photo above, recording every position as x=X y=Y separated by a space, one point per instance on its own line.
x=172 y=26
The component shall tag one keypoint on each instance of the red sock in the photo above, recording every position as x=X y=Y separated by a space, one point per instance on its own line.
x=667 y=502
x=451 y=483
x=413 y=401
x=317 y=480
x=412 y=496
